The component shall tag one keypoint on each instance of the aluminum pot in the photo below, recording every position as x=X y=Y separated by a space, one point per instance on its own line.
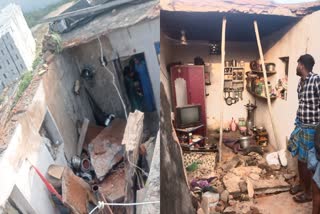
x=245 y=141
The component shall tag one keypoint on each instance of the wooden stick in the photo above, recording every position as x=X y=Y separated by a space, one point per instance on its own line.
x=265 y=81
x=223 y=43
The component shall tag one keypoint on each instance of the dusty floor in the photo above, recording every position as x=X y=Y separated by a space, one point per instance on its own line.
x=282 y=203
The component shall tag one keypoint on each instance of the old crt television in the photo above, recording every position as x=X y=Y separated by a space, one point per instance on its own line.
x=188 y=116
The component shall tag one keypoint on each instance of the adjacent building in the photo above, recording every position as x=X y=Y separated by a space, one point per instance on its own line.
x=17 y=45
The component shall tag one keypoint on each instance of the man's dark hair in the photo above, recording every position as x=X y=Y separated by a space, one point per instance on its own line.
x=307 y=60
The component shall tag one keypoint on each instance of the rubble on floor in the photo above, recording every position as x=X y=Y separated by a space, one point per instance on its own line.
x=233 y=186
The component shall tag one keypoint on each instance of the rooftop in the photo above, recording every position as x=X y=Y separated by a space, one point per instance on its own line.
x=121 y=17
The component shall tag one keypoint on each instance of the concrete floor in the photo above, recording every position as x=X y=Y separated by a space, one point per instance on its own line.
x=282 y=203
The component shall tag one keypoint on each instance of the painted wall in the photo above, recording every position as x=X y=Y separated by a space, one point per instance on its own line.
x=137 y=39
x=234 y=50
x=293 y=42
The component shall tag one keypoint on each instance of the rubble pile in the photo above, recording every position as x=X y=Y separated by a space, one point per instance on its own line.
x=235 y=184
x=99 y=172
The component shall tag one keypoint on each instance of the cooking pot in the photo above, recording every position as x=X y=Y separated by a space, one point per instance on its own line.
x=270 y=67
x=245 y=141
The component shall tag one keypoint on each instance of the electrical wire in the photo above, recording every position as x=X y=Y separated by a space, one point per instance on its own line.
x=113 y=80
x=101 y=204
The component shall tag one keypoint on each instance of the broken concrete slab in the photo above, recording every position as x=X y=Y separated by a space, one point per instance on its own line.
x=113 y=186
x=270 y=186
x=103 y=162
x=76 y=193
x=224 y=196
x=250 y=188
x=132 y=139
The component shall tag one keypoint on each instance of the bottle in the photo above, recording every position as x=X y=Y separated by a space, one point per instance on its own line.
x=190 y=138
x=233 y=125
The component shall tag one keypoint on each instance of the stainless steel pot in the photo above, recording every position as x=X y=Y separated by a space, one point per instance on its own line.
x=245 y=141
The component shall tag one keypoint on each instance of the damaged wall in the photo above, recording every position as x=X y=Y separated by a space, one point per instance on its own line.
x=65 y=107
x=174 y=193
x=165 y=59
x=137 y=39
x=102 y=88
x=300 y=39
x=246 y=51
x=55 y=92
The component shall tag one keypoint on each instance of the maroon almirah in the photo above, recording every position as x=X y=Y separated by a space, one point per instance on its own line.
x=195 y=84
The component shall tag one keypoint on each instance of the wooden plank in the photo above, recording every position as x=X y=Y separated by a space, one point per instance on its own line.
x=223 y=44
x=256 y=29
x=132 y=139
x=88 y=11
x=83 y=132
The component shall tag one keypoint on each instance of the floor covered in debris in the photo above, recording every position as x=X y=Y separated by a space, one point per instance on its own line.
x=240 y=183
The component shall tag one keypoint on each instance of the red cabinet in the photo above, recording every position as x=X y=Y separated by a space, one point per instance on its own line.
x=190 y=77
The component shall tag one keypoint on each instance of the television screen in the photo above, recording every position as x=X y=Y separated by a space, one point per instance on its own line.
x=188 y=116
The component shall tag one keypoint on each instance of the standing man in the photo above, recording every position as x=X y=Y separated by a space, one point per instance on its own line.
x=308 y=116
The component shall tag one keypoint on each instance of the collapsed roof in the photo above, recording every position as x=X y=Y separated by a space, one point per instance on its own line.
x=122 y=16
x=201 y=20
x=265 y=7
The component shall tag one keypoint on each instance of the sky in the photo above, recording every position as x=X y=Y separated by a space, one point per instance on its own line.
x=291 y=1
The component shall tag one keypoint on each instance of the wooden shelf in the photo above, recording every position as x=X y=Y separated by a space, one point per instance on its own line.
x=272 y=98
x=260 y=73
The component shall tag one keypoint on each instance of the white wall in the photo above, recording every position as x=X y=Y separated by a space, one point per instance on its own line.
x=300 y=39
x=137 y=39
x=234 y=50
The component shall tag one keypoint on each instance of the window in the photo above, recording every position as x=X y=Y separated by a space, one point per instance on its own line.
x=2 y=52
x=5 y=76
x=2 y=84
x=21 y=66
x=0 y=67
x=11 y=46
x=8 y=62
x=17 y=56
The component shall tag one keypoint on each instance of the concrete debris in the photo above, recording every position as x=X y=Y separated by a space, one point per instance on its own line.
x=225 y=196
x=103 y=162
x=273 y=159
x=250 y=188
x=289 y=176
x=270 y=186
x=113 y=186
x=55 y=171
x=209 y=201
x=231 y=164
x=76 y=193
x=105 y=149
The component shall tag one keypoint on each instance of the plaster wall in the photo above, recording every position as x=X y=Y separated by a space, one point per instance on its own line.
x=165 y=59
x=26 y=146
x=234 y=50
x=293 y=42
x=101 y=87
